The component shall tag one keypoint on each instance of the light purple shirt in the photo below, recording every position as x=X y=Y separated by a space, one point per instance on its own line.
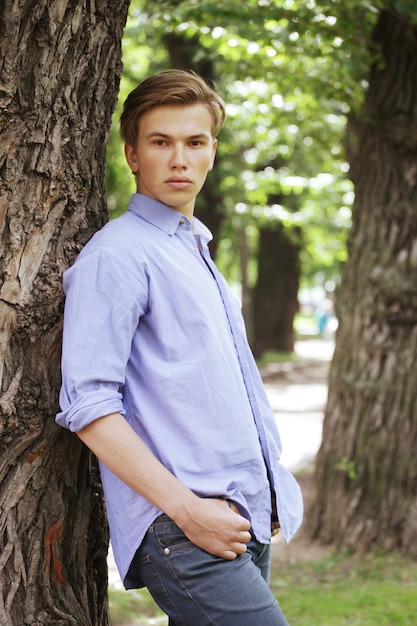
x=153 y=332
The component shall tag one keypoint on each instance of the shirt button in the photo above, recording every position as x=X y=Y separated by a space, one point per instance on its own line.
x=182 y=222
x=167 y=551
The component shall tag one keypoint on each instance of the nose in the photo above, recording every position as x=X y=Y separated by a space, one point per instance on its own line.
x=178 y=160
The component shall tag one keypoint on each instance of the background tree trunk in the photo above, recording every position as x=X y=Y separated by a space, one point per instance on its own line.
x=367 y=465
x=60 y=70
x=275 y=297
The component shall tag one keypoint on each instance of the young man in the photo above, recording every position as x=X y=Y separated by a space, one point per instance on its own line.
x=159 y=381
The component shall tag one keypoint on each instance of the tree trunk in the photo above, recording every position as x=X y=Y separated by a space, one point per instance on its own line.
x=60 y=69
x=367 y=465
x=276 y=291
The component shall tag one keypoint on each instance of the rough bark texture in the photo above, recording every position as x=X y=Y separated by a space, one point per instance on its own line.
x=60 y=63
x=367 y=464
x=275 y=293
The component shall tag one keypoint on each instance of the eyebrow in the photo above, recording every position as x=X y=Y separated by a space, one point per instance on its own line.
x=156 y=133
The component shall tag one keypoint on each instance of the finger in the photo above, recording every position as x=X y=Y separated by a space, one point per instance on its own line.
x=245 y=537
x=238 y=548
x=244 y=524
x=230 y=555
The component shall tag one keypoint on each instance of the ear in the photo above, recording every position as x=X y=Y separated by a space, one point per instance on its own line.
x=131 y=158
x=214 y=154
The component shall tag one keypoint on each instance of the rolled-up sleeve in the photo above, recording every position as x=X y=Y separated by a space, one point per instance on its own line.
x=104 y=303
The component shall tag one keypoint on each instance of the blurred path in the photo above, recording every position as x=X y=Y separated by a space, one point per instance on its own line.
x=297 y=392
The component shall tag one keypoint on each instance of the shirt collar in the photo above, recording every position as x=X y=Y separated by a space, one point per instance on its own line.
x=163 y=217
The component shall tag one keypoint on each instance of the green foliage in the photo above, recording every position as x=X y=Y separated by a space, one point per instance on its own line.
x=348 y=467
x=291 y=72
x=120 y=182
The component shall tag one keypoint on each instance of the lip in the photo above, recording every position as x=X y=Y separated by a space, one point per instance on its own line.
x=179 y=182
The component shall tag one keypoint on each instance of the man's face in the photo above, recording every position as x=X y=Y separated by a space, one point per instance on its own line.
x=174 y=152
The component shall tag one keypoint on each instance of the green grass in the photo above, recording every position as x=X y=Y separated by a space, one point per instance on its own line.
x=136 y=607
x=376 y=590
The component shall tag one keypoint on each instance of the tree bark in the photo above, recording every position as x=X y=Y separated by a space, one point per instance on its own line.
x=275 y=297
x=366 y=470
x=59 y=75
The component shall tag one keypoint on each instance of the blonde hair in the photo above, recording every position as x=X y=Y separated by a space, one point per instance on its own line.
x=174 y=87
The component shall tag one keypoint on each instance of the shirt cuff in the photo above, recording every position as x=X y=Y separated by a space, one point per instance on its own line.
x=88 y=408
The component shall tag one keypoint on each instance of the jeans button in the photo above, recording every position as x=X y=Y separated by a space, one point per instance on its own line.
x=167 y=551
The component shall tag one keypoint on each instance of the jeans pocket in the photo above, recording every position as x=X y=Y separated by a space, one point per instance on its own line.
x=169 y=535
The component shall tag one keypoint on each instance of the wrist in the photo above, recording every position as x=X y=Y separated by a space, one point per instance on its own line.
x=182 y=506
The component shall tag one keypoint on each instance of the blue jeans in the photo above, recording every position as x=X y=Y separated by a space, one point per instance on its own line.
x=195 y=588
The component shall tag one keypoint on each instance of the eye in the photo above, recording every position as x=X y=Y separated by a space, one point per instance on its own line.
x=159 y=142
